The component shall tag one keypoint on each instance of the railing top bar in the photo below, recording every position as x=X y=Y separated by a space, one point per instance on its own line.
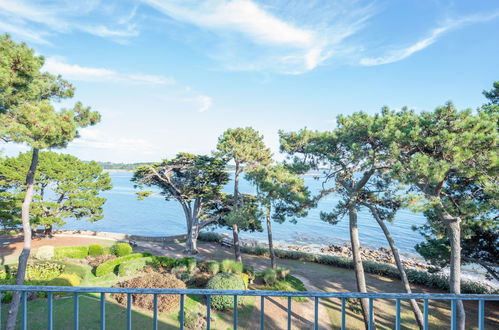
x=376 y=295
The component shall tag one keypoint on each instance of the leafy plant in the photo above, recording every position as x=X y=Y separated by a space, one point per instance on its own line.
x=231 y=266
x=45 y=252
x=213 y=267
x=225 y=281
x=95 y=250
x=269 y=276
x=282 y=272
x=121 y=249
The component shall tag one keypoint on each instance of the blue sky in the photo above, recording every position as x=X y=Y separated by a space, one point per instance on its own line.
x=171 y=76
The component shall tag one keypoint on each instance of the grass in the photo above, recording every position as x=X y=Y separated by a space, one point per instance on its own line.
x=290 y=283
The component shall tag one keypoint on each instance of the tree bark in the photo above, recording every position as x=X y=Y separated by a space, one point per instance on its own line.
x=271 y=243
x=357 y=262
x=235 y=228
x=23 y=258
x=237 y=247
x=403 y=276
x=454 y=228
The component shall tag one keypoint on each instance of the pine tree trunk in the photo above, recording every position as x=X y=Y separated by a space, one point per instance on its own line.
x=405 y=281
x=235 y=228
x=271 y=243
x=23 y=258
x=357 y=261
x=237 y=247
x=454 y=229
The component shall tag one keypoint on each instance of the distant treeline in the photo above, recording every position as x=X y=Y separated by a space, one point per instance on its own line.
x=133 y=166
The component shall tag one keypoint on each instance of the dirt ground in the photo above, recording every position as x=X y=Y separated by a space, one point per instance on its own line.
x=315 y=277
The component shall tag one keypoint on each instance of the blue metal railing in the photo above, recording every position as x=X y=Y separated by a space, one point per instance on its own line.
x=398 y=297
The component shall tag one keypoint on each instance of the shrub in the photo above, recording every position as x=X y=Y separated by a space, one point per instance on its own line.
x=225 y=281
x=109 y=266
x=194 y=320
x=4 y=272
x=167 y=303
x=6 y=297
x=66 y=280
x=189 y=262
x=209 y=237
x=245 y=278
x=282 y=272
x=201 y=279
x=165 y=262
x=231 y=266
x=73 y=252
x=96 y=261
x=95 y=250
x=40 y=271
x=177 y=271
x=291 y=283
x=121 y=249
x=269 y=276
x=45 y=252
x=213 y=267
x=133 y=266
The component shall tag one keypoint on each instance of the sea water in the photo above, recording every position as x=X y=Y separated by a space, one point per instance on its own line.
x=155 y=216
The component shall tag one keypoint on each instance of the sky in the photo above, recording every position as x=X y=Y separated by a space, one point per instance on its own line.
x=170 y=76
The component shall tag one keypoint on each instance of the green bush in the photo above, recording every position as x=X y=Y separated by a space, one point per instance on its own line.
x=269 y=276
x=189 y=262
x=66 y=280
x=231 y=266
x=39 y=271
x=95 y=250
x=165 y=262
x=45 y=252
x=109 y=266
x=121 y=249
x=209 y=237
x=225 y=281
x=83 y=271
x=133 y=266
x=245 y=278
x=73 y=252
x=4 y=272
x=213 y=267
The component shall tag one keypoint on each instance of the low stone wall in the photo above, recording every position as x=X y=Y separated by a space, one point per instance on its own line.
x=119 y=236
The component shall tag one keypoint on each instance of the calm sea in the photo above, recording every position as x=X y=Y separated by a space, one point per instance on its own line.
x=155 y=216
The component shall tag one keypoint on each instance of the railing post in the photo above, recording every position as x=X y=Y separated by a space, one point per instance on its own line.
x=425 y=309
x=103 y=311
x=129 y=311
x=262 y=312
x=208 y=312
x=481 y=314
x=343 y=312
x=235 y=312
x=155 y=316
x=76 y=312
x=50 y=321
x=182 y=312
x=25 y=310
x=371 y=315
x=316 y=313
x=289 y=313
x=453 y=321
x=397 y=315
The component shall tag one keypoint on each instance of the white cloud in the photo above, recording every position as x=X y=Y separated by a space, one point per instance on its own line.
x=26 y=34
x=284 y=36
x=94 y=138
x=435 y=34
x=77 y=72
x=205 y=102
x=62 y=16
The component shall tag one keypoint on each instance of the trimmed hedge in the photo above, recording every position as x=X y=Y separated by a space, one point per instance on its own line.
x=225 y=281
x=133 y=266
x=95 y=250
x=73 y=252
x=121 y=249
x=109 y=266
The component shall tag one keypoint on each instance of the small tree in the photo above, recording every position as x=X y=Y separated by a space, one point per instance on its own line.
x=245 y=147
x=282 y=194
x=64 y=187
x=27 y=116
x=193 y=181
